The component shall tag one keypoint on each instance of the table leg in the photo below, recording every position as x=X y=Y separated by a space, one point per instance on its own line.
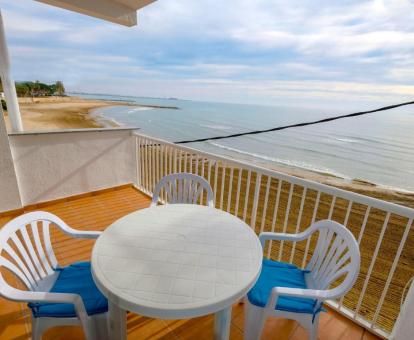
x=222 y=324
x=117 y=322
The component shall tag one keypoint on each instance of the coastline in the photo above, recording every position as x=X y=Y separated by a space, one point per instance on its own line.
x=51 y=113
x=394 y=195
x=99 y=118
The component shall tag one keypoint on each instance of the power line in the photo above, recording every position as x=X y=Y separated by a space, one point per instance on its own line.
x=325 y=120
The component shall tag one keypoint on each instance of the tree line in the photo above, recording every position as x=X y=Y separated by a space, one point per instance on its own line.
x=35 y=89
x=38 y=89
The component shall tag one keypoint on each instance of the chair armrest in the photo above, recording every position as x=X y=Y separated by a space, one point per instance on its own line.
x=29 y=296
x=266 y=236
x=295 y=292
x=79 y=233
x=84 y=234
x=45 y=216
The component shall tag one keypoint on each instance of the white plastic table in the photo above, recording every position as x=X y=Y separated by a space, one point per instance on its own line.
x=174 y=262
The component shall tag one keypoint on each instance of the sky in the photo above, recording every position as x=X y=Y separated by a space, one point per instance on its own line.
x=316 y=53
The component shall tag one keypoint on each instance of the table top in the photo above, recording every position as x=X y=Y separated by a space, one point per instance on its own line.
x=176 y=261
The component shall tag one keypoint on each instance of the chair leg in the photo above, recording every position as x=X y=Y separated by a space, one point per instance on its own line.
x=255 y=318
x=88 y=327
x=100 y=326
x=36 y=331
x=313 y=328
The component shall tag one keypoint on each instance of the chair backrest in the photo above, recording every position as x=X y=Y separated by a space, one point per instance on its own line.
x=336 y=256
x=27 y=252
x=183 y=188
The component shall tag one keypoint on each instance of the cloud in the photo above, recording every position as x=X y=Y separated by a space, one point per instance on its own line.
x=402 y=74
x=92 y=34
x=216 y=69
x=19 y=25
x=316 y=52
x=355 y=31
x=309 y=69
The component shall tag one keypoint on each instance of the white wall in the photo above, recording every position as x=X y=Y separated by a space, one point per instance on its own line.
x=9 y=191
x=59 y=164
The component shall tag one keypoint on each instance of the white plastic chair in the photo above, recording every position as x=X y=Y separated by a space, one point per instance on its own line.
x=30 y=257
x=183 y=188
x=336 y=256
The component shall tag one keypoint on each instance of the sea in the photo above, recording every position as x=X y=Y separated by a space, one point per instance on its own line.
x=377 y=148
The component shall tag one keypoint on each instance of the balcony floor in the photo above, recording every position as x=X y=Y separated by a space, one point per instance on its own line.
x=95 y=211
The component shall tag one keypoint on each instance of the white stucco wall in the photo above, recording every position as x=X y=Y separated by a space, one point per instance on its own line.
x=60 y=164
x=9 y=191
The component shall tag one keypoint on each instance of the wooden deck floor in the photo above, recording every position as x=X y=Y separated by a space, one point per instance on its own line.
x=96 y=211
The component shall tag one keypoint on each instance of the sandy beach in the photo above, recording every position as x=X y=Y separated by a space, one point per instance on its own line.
x=356 y=185
x=52 y=113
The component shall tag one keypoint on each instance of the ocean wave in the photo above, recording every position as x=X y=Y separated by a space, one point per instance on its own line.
x=105 y=120
x=140 y=108
x=111 y=122
x=288 y=162
x=216 y=127
x=381 y=142
x=346 y=140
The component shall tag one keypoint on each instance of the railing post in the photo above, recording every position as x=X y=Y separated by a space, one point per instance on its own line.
x=137 y=161
x=256 y=200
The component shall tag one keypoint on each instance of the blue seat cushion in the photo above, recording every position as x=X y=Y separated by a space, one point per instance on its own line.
x=76 y=279
x=279 y=274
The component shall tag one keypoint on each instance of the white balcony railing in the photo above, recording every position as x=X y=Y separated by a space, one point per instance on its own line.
x=271 y=201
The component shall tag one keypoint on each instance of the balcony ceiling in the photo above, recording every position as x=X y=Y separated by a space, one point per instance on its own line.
x=123 y=12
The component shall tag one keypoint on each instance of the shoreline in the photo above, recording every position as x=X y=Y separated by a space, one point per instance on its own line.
x=395 y=195
x=53 y=113
x=390 y=194
x=102 y=119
